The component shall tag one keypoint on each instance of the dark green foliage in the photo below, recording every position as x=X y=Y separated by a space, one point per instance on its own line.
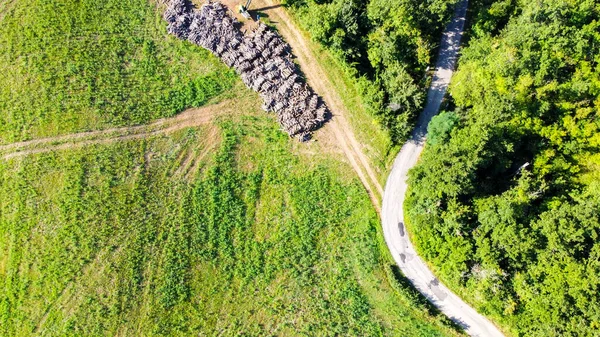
x=385 y=45
x=492 y=16
x=506 y=205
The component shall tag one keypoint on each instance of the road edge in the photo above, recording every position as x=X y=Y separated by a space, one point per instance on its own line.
x=392 y=217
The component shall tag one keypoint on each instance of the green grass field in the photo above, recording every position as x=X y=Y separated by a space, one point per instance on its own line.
x=83 y=65
x=122 y=239
x=230 y=228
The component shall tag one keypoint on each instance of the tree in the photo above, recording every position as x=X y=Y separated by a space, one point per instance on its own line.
x=527 y=92
x=438 y=130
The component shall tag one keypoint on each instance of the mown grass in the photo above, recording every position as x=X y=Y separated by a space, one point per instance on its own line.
x=82 y=65
x=115 y=240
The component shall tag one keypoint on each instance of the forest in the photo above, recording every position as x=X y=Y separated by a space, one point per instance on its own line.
x=504 y=202
x=385 y=46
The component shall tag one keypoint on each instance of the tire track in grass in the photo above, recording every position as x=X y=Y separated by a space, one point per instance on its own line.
x=189 y=118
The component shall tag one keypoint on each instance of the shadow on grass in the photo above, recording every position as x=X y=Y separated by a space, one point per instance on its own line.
x=266 y=8
x=405 y=287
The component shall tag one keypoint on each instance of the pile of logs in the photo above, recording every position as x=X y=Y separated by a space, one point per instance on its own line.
x=261 y=58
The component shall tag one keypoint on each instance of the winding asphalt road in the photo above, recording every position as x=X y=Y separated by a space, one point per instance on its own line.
x=392 y=216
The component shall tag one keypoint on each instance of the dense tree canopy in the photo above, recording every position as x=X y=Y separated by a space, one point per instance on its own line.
x=505 y=200
x=386 y=45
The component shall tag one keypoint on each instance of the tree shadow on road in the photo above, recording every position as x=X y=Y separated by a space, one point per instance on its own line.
x=420 y=301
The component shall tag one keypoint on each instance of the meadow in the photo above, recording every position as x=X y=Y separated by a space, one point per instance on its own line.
x=131 y=238
x=81 y=65
x=229 y=228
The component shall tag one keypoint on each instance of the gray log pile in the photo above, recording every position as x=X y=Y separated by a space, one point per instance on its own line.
x=261 y=58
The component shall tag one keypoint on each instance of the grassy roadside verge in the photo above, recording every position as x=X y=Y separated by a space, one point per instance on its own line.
x=377 y=144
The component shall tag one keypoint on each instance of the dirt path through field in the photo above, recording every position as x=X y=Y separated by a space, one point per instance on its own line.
x=318 y=80
x=338 y=130
x=189 y=118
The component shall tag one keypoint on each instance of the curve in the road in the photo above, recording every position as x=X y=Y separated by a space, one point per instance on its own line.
x=396 y=237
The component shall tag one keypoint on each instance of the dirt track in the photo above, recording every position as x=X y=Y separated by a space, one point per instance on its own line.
x=318 y=80
x=338 y=129
x=188 y=118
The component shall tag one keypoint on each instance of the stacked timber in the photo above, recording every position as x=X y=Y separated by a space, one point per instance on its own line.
x=262 y=59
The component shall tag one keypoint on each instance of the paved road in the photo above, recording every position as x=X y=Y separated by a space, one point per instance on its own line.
x=392 y=216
